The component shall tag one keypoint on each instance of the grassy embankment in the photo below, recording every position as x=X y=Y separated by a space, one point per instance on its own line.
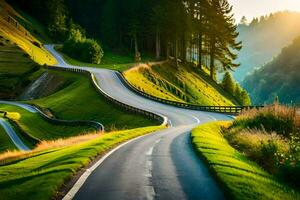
x=240 y=177
x=15 y=32
x=48 y=169
x=271 y=137
x=34 y=125
x=80 y=100
x=182 y=84
x=5 y=142
x=17 y=70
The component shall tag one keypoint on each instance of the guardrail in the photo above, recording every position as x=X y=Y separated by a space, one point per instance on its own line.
x=162 y=119
x=219 y=109
x=98 y=126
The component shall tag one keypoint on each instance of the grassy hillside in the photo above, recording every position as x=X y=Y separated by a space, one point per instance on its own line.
x=34 y=125
x=79 y=100
x=17 y=70
x=241 y=178
x=263 y=39
x=280 y=78
x=11 y=29
x=49 y=168
x=5 y=141
x=183 y=84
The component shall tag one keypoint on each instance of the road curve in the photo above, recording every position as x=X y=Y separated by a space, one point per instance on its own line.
x=162 y=165
x=10 y=131
x=13 y=135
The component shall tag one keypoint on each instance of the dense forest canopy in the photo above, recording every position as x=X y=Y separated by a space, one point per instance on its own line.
x=277 y=78
x=263 y=38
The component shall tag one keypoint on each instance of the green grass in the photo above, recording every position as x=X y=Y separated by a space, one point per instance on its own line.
x=182 y=84
x=34 y=125
x=5 y=141
x=22 y=37
x=49 y=170
x=241 y=178
x=17 y=70
x=110 y=60
x=80 y=100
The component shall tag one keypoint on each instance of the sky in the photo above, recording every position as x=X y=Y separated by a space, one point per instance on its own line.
x=256 y=8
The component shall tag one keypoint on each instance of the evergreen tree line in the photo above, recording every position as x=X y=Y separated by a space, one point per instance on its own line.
x=196 y=31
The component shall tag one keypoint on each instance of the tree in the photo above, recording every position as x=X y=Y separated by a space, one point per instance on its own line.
x=222 y=36
x=228 y=83
x=244 y=21
x=238 y=92
x=245 y=98
x=57 y=19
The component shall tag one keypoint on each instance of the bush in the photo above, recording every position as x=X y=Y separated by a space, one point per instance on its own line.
x=82 y=48
x=281 y=119
x=271 y=137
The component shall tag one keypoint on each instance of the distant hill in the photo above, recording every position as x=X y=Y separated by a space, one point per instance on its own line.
x=264 y=38
x=280 y=77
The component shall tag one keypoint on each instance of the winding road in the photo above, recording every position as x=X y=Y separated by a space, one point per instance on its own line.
x=162 y=165
x=10 y=131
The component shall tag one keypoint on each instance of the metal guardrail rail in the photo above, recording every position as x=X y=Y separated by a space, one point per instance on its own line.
x=96 y=125
x=162 y=119
x=219 y=109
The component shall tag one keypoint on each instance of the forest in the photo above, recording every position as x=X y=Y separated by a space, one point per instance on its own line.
x=279 y=77
x=263 y=38
x=202 y=32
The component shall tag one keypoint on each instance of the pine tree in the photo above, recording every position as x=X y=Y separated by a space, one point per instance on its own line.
x=223 y=36
x=238 y=93
x=228 y=83
x=246 y=101
x=244 y=21
x=57 y=19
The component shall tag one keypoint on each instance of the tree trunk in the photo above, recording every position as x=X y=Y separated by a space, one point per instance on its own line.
x=200 y=50
x=191 y=39
x=212 y=59
x=176 y=51
x=158 y=46
x=183 y=50
x=137 y=55
x=168 y=50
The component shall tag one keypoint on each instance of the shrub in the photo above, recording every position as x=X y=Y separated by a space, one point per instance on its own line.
x=281 y=119
x=82 y=48
x=271 y=137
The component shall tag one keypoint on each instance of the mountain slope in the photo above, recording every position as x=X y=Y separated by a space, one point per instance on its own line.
x=263 y=39
x=182 y=84
x=13 y=30
x=280 y=77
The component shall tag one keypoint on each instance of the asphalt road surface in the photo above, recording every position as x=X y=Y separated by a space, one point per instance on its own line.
x=161 y=165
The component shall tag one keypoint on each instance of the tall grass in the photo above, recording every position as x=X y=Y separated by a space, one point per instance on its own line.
x=279 y=118
x=271 y=137
x=10 y=156
x=240 y=177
